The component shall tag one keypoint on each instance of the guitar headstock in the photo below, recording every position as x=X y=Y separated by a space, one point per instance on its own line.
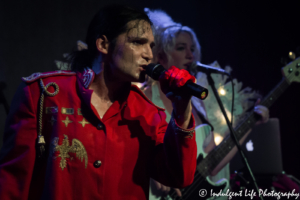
x=292 y=71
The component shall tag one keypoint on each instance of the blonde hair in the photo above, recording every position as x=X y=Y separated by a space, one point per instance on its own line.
x=165 y=31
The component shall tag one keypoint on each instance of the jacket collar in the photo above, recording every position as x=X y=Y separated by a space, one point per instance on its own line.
x=86 y=77
x=84 y=80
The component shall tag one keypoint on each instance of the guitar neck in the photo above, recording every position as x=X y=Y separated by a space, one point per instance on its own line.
x=218 y=153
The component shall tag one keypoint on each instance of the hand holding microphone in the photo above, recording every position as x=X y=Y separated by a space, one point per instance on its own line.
x=171 y=83
x=178 y=81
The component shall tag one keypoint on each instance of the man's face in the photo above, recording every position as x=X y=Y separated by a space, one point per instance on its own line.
x=132 y=52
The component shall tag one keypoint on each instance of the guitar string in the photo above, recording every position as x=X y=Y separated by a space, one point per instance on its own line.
x=196 y=180
x=194 y=184
x=184 y=192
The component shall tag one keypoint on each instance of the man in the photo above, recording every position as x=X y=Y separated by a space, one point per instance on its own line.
x=95 y=135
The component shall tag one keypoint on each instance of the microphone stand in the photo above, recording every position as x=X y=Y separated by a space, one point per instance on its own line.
x=2 y=98
x=232 y=133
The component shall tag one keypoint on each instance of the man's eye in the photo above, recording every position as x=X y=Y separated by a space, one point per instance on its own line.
x=192 y=50
x=137 y=42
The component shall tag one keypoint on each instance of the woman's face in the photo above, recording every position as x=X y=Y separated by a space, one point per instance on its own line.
x=182 y=54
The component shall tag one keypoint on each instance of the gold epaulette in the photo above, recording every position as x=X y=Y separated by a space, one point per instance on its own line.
x=40 y=142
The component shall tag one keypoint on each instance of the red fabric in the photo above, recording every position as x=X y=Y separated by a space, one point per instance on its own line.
x=136 y=143
x=174 y=78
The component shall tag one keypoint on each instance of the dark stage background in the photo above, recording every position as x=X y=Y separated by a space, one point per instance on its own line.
x=249 y=37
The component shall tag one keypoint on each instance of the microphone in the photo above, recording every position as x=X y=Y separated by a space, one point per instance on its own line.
x=207 y=69
x=155 y=70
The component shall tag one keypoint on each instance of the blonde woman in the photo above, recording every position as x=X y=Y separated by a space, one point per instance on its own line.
x=177 y=45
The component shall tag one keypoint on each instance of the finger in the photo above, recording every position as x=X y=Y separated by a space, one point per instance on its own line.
x=165 y=189
x=173 y=75
x=257 y=111
x=157 y=184
x=261 y=109
x=184 y=76
x=181 y=78
x=257 y=102
x=166 y=79
x=263 y=112
x=178 y=192
x=168 y=190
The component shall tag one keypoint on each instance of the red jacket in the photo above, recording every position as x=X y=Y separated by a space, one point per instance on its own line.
x=88 y=157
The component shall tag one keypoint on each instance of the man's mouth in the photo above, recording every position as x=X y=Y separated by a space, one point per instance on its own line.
x=143 y=67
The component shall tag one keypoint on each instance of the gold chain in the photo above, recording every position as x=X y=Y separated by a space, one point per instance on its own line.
x=41 y=140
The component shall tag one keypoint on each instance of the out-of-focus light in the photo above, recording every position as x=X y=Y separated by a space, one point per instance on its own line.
x=139 y=85
x=292 y=55
x=218 y=138
x=223 y=120
x=222 y=92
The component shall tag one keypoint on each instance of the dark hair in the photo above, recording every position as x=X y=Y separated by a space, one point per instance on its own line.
x=110 y=21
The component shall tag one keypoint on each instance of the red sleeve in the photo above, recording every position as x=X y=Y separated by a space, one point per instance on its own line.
x=176 y=158
x=18 y=152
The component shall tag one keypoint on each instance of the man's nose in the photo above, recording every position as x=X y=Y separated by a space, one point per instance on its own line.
x=147 y=54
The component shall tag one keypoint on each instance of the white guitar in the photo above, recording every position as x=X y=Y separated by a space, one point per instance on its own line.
x=206 y=163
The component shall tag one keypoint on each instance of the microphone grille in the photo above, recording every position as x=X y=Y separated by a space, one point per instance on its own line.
x=154 y=70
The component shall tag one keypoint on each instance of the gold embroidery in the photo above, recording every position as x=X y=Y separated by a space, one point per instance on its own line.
x=52 y=121
x=64 y=149
x=83 y=122
x=67 y=111
x=67 y=121
x=51 y=110
x=79 y=111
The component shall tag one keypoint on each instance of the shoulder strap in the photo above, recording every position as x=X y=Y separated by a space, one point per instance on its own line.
x=38 y=75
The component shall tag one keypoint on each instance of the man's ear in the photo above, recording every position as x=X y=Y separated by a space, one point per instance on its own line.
x=102 y=44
